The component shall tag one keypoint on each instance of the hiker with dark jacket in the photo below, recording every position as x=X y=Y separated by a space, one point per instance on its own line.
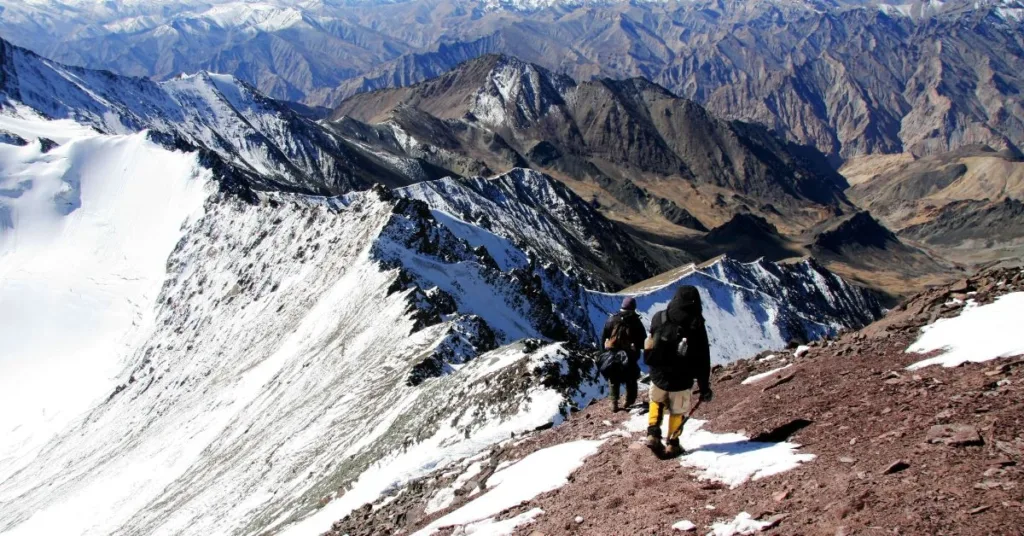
x=677 y=353
x=625 y=331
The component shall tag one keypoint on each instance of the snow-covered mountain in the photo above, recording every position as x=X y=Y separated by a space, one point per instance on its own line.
x=272 y=144
x=290 y=357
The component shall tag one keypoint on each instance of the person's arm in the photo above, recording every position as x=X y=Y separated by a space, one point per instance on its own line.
x=638 y=333
x=703 y=363
x=606 y=332
x=656 y=322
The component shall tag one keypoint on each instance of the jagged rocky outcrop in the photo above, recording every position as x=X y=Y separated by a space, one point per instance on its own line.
x=529 y=211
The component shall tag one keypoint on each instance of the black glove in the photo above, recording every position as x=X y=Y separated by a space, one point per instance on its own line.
x=706 y=395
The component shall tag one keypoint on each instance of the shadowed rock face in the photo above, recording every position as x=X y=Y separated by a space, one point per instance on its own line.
x=861 y=230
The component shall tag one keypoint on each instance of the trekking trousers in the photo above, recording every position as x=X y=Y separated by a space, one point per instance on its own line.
x=631 y=389
x=675 y=403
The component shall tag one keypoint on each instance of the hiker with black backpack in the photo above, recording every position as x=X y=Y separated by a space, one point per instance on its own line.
x=623 y=338
x=677 y=353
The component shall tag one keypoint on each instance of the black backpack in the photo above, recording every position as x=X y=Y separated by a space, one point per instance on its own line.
x=670 y=345
x=612 y=363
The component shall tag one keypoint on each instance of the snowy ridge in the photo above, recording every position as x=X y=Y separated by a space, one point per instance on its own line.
x=752 y=307
x=526 y=210
x=214 y=112
x=278 y=337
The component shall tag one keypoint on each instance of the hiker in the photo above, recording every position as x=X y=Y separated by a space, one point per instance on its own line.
x=677 y=352
x=624 y=331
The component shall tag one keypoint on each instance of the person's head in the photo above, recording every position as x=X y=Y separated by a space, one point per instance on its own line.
x=685 y=304
x=628 y=304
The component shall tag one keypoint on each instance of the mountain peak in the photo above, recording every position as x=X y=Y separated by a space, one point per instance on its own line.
x=858 y=230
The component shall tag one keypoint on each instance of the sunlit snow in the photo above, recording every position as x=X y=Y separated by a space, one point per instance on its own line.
x=729 y=458
x=85 y=231
x=758 y=377
x=980 y=333
x=540 y=472
x=742 y=524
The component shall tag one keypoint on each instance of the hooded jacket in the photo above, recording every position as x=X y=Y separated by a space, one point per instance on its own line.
x=635 y=336
x=678 y=372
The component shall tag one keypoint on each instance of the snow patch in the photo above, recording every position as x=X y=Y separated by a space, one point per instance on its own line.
x=685 y=526
x=729 y=458
x=444 y=497
x=490 y=527
x=744 y=523
x=981 y=333
x=758 y=377
x=540 y=472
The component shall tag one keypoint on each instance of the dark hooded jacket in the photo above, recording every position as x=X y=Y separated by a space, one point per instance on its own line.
x=678 y=372
x=635 y=336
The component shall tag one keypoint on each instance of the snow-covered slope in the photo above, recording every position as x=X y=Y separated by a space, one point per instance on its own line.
x=279 y=369
x=540 y=216
x=85 y=231
x=277 y=147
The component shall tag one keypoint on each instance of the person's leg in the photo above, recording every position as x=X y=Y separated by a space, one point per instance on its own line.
x=679 y=407
x=631 y=389
x=656 y=410
x=675 y=426
x=614 y=393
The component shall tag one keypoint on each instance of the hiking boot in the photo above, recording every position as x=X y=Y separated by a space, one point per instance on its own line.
x=673 y=448
x=653 y=437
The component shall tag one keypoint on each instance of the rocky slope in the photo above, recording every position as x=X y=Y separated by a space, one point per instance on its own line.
x=839 y=438
x=847 y=77
x=862 y=249
x=965 y=205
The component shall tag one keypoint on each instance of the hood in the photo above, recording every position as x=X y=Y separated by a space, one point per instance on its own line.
x=685 y=305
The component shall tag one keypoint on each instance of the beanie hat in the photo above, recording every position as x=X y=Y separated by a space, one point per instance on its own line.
x=629 y=304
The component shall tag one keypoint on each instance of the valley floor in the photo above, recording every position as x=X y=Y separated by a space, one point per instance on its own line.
x=847 y=439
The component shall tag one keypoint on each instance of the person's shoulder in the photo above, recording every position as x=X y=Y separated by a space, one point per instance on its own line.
x=658 y=317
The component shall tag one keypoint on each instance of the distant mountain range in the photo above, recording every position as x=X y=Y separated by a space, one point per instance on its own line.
x=663 y=168
x=848 y=77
